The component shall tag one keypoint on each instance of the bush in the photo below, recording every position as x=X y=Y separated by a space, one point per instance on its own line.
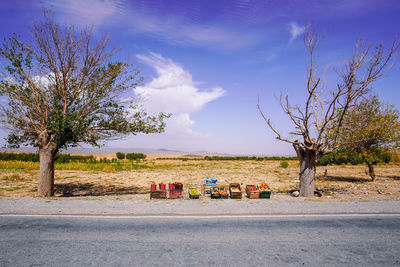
x=34 y=157
x=338 y=158
x=247 y=158
x=9 y=156
x=135 y=156
x=284 y=164
x=120 y=155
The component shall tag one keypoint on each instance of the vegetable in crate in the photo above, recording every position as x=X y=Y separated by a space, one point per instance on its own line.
x=252 y=188
x=194 y=192
x=215 y=191
x=223 y=192
x=263 y=186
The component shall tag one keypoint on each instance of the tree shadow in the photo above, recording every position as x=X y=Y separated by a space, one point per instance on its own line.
x=394 y=177
x=91 y=189
x=350 y=179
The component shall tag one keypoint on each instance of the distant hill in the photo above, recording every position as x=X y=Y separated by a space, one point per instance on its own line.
x=108 y=150
x=148 y=151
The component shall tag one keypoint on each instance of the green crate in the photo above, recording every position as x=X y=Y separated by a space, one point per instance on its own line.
x=265 y=194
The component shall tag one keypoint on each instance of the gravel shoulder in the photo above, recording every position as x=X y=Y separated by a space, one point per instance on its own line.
x=142 y=205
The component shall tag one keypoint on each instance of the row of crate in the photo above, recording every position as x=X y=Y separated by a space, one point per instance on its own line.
x=233 y=190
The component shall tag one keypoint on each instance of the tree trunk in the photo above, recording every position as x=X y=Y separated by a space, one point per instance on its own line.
x=46 y=179
x=307 y=171
x=371 y=171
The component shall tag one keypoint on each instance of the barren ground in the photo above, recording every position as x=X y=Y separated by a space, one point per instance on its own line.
x=343 y=182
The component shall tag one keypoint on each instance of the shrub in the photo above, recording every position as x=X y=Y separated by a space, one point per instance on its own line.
x=247 y=158
x=120 y=155
x=339 y=158
x=9 y=156
x=135 y=156
x=284 y=164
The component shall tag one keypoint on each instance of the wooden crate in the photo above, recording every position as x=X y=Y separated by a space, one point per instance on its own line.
x=252 y=194
x=206 y=189
x=235 y=190
x=160 y=194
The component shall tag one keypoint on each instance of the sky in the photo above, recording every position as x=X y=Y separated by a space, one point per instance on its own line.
x=209 y=62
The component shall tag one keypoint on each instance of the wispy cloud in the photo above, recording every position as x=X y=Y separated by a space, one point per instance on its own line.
x=88 y=12
x=141 y=19
x=174 y=91
x=295 y=31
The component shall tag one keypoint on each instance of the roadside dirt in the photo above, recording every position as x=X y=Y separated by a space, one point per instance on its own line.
x=344 y=182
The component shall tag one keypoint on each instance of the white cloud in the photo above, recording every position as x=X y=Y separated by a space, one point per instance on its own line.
x=174 y=91
x=295 y=31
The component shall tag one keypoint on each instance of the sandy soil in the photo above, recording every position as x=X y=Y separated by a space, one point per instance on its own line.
x=345 y=183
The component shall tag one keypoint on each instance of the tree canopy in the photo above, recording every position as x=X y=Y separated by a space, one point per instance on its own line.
x=370 y=128
x=65 y=86
x=62 y=87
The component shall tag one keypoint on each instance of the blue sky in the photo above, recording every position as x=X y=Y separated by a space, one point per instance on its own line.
x=206 y=62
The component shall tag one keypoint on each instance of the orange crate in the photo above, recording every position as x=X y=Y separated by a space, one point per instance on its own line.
x=252 y=194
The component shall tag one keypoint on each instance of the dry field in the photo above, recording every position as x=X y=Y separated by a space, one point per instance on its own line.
x=344 y=182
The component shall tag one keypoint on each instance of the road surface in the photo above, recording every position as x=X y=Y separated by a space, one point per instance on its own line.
x=244 y=240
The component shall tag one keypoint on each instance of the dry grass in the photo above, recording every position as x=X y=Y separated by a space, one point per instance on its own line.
x=344 y=182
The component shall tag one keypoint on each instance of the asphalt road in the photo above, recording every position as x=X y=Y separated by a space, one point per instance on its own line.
x=272 y=240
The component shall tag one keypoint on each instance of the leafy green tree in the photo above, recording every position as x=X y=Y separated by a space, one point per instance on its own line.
x=63 y=88
x=372 y=130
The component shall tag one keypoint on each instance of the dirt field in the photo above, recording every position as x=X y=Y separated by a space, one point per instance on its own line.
x=344 y=182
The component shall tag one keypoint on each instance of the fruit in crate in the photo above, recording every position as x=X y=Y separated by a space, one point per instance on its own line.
x=252 y=188
x=223 y=192
x=263 y=187
x=215 y=191
x=194 y=192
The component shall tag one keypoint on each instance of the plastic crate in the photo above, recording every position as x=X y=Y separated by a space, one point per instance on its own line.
x=175 y=193
x=194 y=196
x=213 y=194
x=265 y=194
x=227 y=192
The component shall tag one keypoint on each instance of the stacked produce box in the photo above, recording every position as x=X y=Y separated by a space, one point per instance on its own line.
x=208 y=184
x=175 y=190
x=161 y=193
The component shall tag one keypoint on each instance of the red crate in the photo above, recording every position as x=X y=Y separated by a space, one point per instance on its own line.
x=175 y=193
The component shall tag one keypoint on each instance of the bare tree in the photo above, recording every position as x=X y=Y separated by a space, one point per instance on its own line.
x=62 y=88
x=319 y=122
